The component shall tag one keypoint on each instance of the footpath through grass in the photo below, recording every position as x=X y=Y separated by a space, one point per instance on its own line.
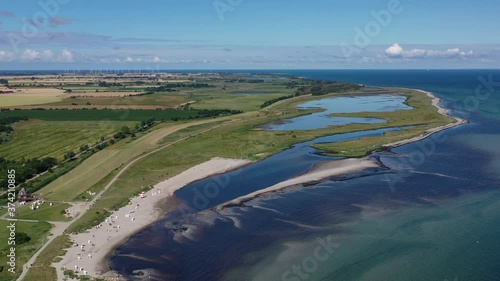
x=37 y=233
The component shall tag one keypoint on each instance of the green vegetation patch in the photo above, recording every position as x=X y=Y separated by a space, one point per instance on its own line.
x=30 y=237
x=38 y=139
x=56 y=212
x=101 y=115
x=42 y=269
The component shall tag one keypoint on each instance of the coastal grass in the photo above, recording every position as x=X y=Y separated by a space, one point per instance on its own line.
x=56 y=212
x=187 y=131
x=423 y=117
x=243 y=102
x=42 y=269
x=38 y=139
x=36 y=231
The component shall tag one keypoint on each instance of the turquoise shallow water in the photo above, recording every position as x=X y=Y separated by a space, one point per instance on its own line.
x=432 y=214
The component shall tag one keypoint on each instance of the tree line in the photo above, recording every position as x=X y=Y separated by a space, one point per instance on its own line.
x=320 y=88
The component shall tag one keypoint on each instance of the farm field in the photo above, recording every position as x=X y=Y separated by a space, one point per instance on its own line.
x=38 y=139
x=220 y=95
x=35 y=96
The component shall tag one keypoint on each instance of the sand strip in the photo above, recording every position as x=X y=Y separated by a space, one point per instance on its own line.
x=322 y=171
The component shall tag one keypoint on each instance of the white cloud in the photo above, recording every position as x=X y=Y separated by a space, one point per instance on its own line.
x=6 y=56
x=129 y=59
x=156 y=59
x=396 y=51
x=66 y=56
x=47 y=56
x=30 y=55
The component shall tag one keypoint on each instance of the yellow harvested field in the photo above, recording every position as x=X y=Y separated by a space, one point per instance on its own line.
x=31 y=96
x=104 y=94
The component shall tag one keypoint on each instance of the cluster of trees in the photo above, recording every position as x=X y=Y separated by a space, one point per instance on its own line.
x=208 y=113
x=169 y=87
x=269 y=102
x=4 y=82
x=123 y=133
x=126 y=131
x=205 y=113
x=5 y=127
x=188 y=85
x=294 y=84
x=152 y=90
x=252 y=81
x=319 y=88
x=106 y=84
x=5 y=123
x=25 y=169
x=146 y=123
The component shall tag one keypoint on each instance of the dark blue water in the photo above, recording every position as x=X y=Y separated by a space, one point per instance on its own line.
x=434 y=214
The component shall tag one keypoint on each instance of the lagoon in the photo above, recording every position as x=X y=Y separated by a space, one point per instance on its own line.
x=351 y=104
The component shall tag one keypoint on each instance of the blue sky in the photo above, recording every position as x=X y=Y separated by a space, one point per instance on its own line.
x=259 y=34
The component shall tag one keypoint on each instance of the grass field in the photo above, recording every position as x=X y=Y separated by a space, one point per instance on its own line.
x=74 y=185
x=34 y=139
x=187 y=131
x=38 y=233
x=44 y=213
x=42 y=270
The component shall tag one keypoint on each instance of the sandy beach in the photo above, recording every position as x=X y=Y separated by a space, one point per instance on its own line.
x=90 y=251
x=443 y=111
x=322 y=171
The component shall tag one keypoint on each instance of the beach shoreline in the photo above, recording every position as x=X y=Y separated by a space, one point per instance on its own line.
x=322 y=171
x=101 y=242
x=91 y=249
